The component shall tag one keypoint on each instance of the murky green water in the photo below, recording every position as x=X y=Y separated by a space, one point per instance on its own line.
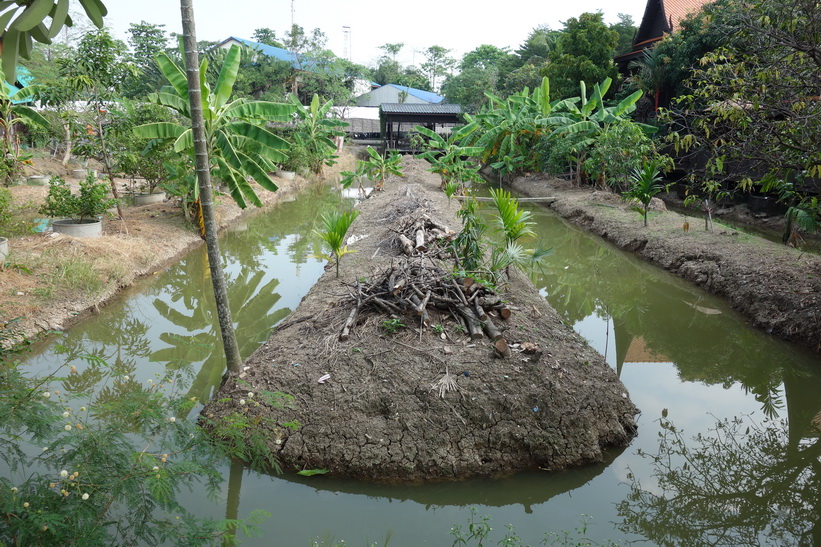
x=678 y=350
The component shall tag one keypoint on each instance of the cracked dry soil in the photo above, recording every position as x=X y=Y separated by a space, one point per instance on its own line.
x=381 y=415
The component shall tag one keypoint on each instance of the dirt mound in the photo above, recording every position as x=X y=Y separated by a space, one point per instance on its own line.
x=425 y=402
x=777 y=287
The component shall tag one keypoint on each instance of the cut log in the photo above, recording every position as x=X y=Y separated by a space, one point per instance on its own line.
x=420 y=241
x=502 y=349
x=491 y=329
x=407 y=245
x=505 y=313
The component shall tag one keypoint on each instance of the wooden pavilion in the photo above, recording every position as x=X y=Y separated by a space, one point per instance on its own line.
x=397 y=121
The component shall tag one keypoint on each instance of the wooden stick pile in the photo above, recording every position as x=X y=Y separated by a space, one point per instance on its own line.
x=419 y=234
x=411 y=288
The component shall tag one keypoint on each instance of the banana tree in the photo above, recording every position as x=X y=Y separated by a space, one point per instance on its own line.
x=511 y=127
x=583 y=119
x=12 y=114
x=316 y=132
x=453 y=162
x=239 y=146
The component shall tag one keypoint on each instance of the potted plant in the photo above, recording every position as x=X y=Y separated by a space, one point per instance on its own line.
x=297 y=162
x=79 y=214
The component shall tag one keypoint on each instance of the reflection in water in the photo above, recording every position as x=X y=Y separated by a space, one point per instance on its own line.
x=674 y=346
x=741 y=483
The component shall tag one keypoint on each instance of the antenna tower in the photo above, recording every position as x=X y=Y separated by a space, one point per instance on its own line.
x=346 y=49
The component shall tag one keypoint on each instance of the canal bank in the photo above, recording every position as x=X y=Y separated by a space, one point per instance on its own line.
x=777 y=287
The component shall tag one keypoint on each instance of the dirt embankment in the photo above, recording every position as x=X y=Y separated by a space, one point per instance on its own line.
x=777 y=287
x=374 y=406
x=54 y=280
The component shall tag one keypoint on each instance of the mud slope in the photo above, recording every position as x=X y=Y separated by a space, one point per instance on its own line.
x=381 y=415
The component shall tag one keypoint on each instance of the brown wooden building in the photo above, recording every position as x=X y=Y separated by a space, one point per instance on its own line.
x=660 y=17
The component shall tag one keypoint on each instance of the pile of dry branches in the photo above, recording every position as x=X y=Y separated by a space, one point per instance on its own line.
x=411 y=287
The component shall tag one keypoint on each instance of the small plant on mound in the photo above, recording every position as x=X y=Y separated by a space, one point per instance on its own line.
x=336 y=227
x=644 y=186
x=92 y=201
x=393 y=325
x=377 y=168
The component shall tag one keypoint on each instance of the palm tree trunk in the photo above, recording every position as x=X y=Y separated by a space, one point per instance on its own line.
x=229 y=338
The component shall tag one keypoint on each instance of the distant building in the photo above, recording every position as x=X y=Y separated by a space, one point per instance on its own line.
x=661 y=17
x=271 y=51
x=401 y=94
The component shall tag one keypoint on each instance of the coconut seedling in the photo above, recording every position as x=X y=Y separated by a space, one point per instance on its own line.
x=644 y=186
x=336 y=224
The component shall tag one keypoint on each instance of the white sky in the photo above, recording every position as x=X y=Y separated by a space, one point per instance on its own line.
x=458 y=25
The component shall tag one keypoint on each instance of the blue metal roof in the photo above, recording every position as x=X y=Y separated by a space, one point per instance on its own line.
x=427 y=96
x=271 y=51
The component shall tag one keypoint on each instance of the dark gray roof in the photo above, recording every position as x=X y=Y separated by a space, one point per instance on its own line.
x=434 y=109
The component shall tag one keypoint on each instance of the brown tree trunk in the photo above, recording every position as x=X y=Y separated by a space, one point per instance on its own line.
x=192 y=69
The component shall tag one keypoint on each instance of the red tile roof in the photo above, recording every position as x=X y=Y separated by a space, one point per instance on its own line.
x=676 y=10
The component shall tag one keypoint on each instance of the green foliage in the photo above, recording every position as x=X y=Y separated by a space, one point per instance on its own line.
x=40 y=20
x=376 y=167
x=102 y=467
x=513 y=222
x=392 y=325
x=238 y=142
x=5 y=210
x=587 y=49
x=620 y=148
x=336 y=226
x=91 y=202
x=467 y=247
x=644 y=186
x=11 y=116
x=453 y=162
x=315 y=132
x=748 y=114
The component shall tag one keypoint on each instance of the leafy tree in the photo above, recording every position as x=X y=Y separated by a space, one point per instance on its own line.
x=645 y=185
x=751 y=109
x=261 y=77
x=587 y=48
x=468 y=88
x=437 y=64
x=626 y=30
x=387 y=72
x=414 y=77
x=10 y=116
x=146 y=40
x=236 y=140
x=316 y=131
x=392 y=50
x=94 y=74
x=266 y=36
x=479 y=73
x=484 y=57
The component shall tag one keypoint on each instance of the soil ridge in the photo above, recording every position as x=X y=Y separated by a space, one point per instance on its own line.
x=373 y=407
x=777 y=287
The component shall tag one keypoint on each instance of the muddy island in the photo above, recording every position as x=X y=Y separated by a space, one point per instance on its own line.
x=392 y=392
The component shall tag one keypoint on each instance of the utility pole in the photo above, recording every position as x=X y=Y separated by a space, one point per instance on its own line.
x=292 y=13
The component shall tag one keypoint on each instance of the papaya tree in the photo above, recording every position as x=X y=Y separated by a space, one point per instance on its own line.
x=238 y=144
x=12 y=114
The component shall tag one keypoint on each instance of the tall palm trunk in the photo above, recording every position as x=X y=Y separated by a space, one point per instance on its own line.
x=229 y=338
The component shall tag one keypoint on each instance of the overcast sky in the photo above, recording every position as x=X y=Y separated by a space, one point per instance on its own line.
x=458 y=25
